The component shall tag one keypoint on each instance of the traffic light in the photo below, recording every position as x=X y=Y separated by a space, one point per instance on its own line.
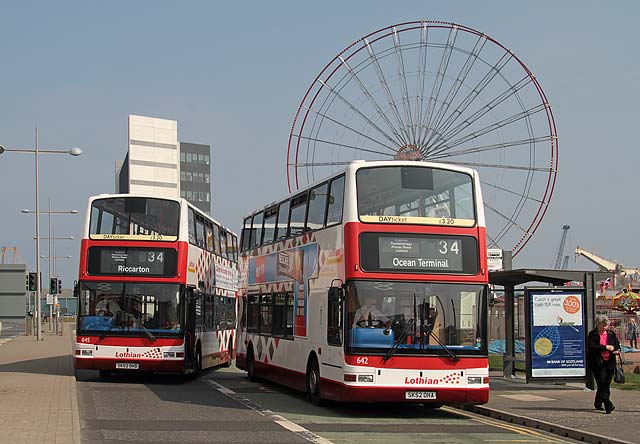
x=31 y=282
x=58 y=286
x=53 y=286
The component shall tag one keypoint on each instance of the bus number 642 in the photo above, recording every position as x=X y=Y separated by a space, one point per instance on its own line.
x=364 y=360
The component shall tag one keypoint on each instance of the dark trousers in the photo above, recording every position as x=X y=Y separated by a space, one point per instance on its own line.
x=603 y=379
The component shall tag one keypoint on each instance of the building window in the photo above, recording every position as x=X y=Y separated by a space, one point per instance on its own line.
x=188 y=157
x=189 y=195
x=183 y=156
x=206 y=159
x=183 y=194
x=206 y=178
x=189 y=177
x=207 y=196
x=183 y=175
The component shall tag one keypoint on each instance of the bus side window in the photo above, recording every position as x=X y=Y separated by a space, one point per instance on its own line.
x=283 y=221
x=234 y=241
x=336 y=198
x=230 y=246
x=317 y=207
x=246 y=233
x=223 y=243
x=253 y=313
x=192 y=227
x=256 y=232
x=209 y=236
x=298 y=214
x=200 y=232
x=268 y=231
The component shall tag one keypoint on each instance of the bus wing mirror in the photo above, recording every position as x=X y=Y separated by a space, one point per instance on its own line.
x=335 y=294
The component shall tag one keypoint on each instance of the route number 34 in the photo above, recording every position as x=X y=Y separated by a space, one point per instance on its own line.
x=363 y=360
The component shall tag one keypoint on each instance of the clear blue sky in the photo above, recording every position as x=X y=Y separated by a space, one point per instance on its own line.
x=233 y=74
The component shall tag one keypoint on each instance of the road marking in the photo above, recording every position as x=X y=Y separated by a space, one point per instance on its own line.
x=513 y=428
x=280 y=420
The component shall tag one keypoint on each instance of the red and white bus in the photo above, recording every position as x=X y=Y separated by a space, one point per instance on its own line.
x=157 y=290
x=370 y=285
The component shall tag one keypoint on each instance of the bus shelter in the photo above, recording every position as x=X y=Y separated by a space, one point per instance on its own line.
x=510 y=279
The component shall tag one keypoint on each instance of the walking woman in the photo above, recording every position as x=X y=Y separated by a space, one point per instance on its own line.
x=603 y=346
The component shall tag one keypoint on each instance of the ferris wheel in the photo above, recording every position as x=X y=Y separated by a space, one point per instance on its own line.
x=440 y=92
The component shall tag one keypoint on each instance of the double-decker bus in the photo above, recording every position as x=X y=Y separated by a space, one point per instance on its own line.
x=157 y=290
x=370 y=285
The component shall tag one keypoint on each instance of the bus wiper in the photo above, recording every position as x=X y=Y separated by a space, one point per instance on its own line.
x=451 y=354
x=104 y=333
x=144 y=329
x=397 y=342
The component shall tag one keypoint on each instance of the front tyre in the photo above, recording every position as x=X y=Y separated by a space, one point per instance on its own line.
x=313 y=384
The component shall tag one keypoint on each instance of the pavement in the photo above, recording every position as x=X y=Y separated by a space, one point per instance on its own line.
x=563 y=409
x=38 y=390
x=38 y=402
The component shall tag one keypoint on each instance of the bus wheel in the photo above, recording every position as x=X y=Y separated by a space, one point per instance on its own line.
x=197 y=366
x=228 y=363
x=104 y=373
x=313 y=384
x=251 y=370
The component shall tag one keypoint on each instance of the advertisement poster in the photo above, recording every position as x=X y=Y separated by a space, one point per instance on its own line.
x=296 y=264
x=557 y=344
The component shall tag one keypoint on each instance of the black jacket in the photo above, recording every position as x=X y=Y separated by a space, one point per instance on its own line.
x=594 y=349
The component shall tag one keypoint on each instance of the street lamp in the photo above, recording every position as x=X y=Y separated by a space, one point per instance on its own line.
x=36 y=152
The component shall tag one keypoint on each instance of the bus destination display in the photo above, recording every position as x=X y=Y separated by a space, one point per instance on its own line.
x=125 y=261
x=419 y=253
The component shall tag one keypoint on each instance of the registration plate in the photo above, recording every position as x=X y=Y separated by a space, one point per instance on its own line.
x=128 y=365
x=420 y=395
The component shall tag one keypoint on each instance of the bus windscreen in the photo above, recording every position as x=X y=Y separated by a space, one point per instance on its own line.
x=415 y=195
x=140 y=218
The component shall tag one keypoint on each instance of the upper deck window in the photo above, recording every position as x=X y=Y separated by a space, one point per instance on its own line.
x=134 y=218
x=415 y=195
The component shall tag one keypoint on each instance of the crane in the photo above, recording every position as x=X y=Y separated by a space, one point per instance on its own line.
x=559 y=255
x=606 y=264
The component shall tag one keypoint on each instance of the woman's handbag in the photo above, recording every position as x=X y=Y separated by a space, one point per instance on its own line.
x=618 y=374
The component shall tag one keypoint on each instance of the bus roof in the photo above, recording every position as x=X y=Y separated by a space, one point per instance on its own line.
x=180 y=200
x=357 y=164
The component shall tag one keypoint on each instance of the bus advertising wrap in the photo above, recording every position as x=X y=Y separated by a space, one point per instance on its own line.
x=557 y=336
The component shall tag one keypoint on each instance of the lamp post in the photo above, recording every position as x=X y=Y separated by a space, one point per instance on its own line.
x=36 y=152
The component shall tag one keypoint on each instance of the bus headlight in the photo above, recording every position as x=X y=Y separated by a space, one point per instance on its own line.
x=365 y=378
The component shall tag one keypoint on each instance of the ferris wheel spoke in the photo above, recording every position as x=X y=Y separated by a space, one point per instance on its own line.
x=345 y=126
x=420 y=78
x=472 y=58
x=508 y=219
x=402 y=76
x=501 y=166
x=343 y=145
x=486 y=130
x=495 y=146
x=437 y=84
x=492 y=242
x=359 y=113
x=473 y=95
x=368 y=95
x=318 y=164
x=387 y=91
x=522 y=195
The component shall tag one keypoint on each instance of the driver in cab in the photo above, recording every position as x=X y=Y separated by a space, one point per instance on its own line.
x=368 y=315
